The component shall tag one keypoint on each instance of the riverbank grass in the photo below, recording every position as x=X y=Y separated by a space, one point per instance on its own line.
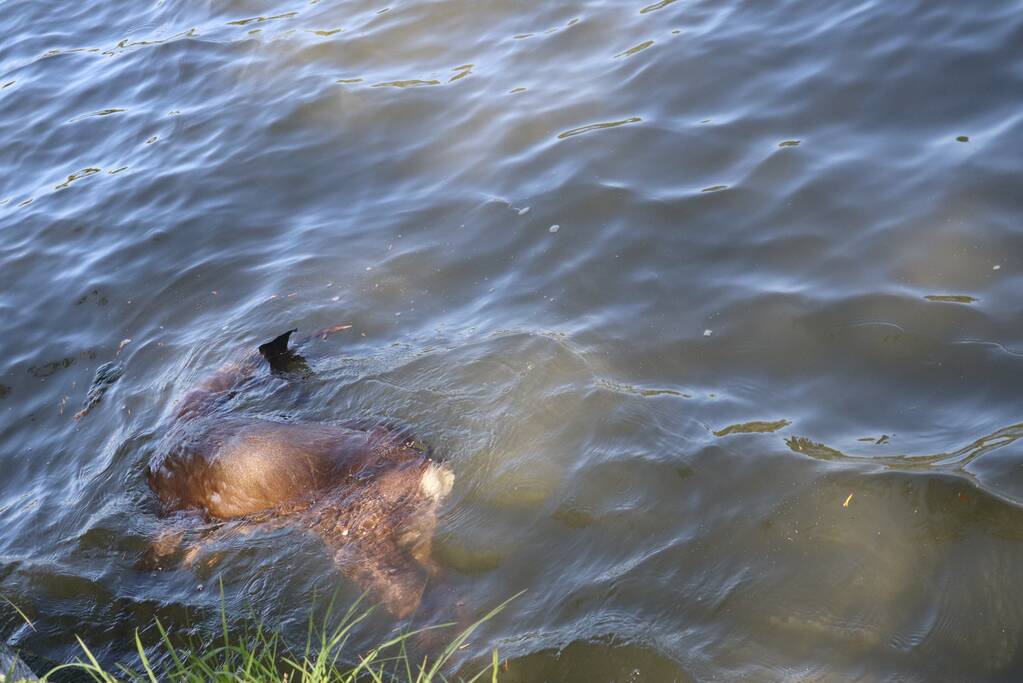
x=260 y=655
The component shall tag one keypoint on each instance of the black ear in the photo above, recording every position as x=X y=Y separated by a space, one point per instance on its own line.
x=276 y=352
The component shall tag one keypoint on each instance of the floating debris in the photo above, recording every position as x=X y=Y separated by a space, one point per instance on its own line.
x=598 y=126
x=260 y=20
x=461 y=72
x=325 y=332
x=553 y=229
x=106 y=375
x=755 y=427
x=84 y=173
x=656 y=6
x=847 y=501
x=411 y=83
x=814 y=449
x=633 y=50
x=952 y=298
x=101 y=112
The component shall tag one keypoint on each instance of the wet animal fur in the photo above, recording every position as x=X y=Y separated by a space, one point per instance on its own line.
x=368 y=491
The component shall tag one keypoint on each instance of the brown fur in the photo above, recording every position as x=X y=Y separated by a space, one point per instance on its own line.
x=367 y=492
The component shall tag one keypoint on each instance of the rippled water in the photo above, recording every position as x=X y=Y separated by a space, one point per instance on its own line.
x=713 y=306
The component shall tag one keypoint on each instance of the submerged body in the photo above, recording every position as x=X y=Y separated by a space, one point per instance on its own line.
x=366 y=490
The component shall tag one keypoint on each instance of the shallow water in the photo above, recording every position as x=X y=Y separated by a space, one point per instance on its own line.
x=712 y=306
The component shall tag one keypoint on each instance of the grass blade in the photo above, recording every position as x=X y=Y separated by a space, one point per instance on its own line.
x=145 y=660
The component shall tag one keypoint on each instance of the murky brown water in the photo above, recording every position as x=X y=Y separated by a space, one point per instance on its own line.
x=712 y=306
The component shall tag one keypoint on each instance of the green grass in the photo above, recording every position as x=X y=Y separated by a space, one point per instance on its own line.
x=261 y=655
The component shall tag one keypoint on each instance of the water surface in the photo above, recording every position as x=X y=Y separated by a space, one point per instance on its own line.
x=713 y=307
